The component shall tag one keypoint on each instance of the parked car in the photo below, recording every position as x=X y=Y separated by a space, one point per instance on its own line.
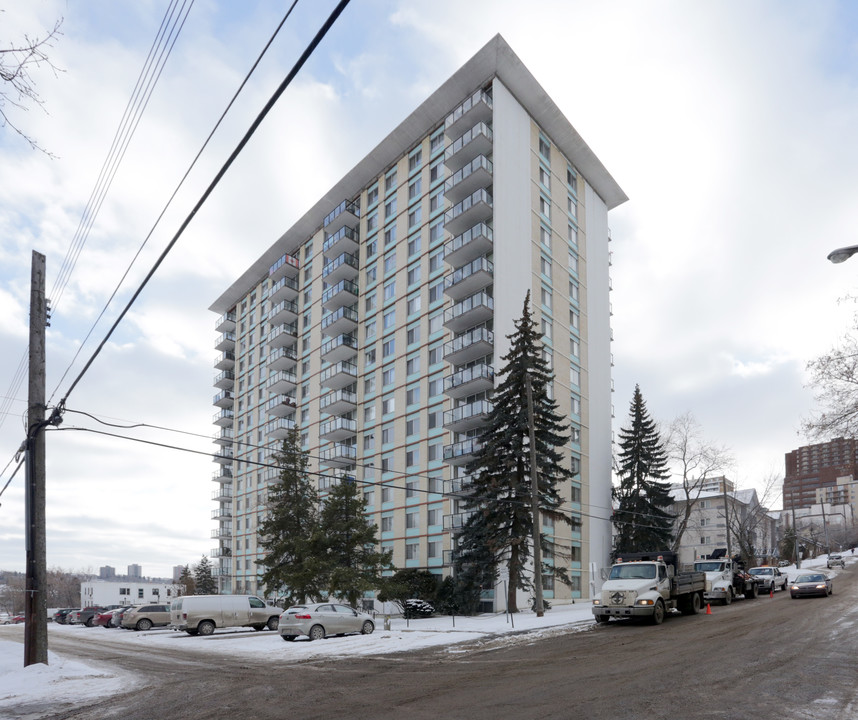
x=116 y=620
x=811 y=584
x=17 y=619
x=319 y=621
x=835 y=560
x=145 y=617
x=61 y=616
x=5 y=618
x=769 y=578
x=86 y=616
x=784 y=563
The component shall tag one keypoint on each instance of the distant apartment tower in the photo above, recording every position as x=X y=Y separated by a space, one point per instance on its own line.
x=820 y=472
x=107 y=572
x=375 y=325
x=135 y=571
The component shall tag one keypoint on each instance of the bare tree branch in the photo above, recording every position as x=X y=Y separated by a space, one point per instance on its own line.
x=17 y=86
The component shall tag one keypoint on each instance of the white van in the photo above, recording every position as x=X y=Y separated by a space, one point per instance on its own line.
x=201 y=614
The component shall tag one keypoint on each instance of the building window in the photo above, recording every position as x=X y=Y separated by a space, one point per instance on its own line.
x=411 y=551
x=387 y=496
x=546 y=298
x=415 y=217
x=436 y=354
x=545 y=207
x=412 y=427
x=369 y=441
x=414 y=304
x=370 y=302
x=369 y=387
x=371 y=248
x=386 y=520
x=411 y=486
x=390 y=263
x=387 y=435
x=390 y=208
x=544 y=148
x=390 y=180
x=415 y=189
x=412 y=520
x=413 y=334
x=572 y=179
x=545 y=266
x=436 y=261
x=413 y=273
x=436 y=291
x=371 y=274
x=388 y=319
x=388 y=405
x=415 y=160
x=390 y=236
x=388 y=376
x=412 y=365
x=388 y=348
x=390 y=290
x=433 y=549
x=544 y=177
x=412 y=457
x=413 y=248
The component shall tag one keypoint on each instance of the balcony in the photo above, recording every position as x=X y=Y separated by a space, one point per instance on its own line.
x=224 y=399
x=466 y=348
x=345 y=239
x=225 y=380
x=338 y=429
x=461 y=486
x=344 y=320
x=225 y=361
x=224 y=418
x=222 y=533
x=224 y=475
x=457 y=520
x=468 y=279
x=478 y=378
x=223 y=512
x=225 y=323
x=286 y=266
x=282 y=358
x=471 y=244
x=464 y=182
x=467 y=417
x=226 y=341
x=283 y=335
x=222 y=495
x=346 y=213
x=221 y=552
x=224 y=437
x=338 y=376
x=281 y=406
x=222 y=572
x=286 y=288
x=224 y=456
x=338 y=402
x=473 y=209
x=341 y=267
x=285 y=311
x=471 y=311
x=476 y=141
x=281 y=382
x=342 y=347
x=476 y=108
x=338 y=455
x=461 y=453
x=345 y=292
x=279 y=428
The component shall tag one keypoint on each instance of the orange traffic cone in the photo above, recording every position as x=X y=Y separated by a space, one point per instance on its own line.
x=771 y=592
x=708 y=609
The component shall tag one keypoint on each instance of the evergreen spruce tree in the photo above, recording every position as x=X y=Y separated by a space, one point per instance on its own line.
x=187 y=579
x=204 y=583
x=346 y=544
x=641 y=519
x=288 y=534
x=476 y=568
x=502 y=521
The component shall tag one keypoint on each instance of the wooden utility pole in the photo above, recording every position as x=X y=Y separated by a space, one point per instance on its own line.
x=727 y=519
x=35 y=599
x=534 y=504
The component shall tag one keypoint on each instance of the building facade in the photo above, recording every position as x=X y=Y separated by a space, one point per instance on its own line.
x=828 y=467
x=376 y=323
x=127 y=592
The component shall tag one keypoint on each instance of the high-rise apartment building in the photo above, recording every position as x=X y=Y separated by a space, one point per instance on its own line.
x=376 y=323
x=820 y=473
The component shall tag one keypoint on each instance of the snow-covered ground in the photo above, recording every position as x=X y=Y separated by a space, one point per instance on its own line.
x=70 y=681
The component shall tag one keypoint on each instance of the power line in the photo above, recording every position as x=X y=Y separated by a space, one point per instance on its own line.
x=175 y=192
x=103 y=182
x=214 y=183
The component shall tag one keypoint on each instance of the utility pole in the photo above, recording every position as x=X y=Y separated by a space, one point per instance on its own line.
x=795 y=540
x=35 y=600
x=534 y=504
x=825 y=527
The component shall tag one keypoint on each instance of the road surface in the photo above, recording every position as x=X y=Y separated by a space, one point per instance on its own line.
x=764 y=658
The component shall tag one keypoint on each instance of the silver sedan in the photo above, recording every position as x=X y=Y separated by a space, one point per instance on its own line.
x=319 y=621
x=811 y=584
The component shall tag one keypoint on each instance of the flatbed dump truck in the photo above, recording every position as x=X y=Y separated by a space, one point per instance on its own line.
x=647 y=585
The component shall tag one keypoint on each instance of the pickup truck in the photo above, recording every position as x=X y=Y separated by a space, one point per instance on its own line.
x=769 y=578
x=647 y=585
x=725 y=579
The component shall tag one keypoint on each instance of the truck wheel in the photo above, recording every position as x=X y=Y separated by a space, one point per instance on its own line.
x=657 y=613
x=273 y=623
x=728 y=598
x=206 y=627
x=602 y=619
x=693 y=606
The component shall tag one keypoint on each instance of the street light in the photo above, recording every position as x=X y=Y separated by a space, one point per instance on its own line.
x=842 y=254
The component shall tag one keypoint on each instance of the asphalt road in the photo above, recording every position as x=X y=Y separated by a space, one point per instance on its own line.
x=764 y=658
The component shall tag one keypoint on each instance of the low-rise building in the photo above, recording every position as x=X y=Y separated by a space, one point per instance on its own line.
x=127 y=592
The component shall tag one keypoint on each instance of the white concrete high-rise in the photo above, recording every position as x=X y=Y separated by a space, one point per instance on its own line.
x=375 y=323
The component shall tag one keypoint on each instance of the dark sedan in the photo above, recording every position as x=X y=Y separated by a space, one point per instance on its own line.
x=811 y=584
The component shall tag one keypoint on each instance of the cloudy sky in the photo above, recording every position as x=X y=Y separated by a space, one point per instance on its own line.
x=729 y=125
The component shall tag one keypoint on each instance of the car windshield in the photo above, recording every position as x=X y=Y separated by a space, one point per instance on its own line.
x=810 y=578
x=633 y=571
x=708 y=566
x=760 y=571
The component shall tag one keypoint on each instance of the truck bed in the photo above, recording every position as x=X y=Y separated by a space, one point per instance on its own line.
x=687 y=582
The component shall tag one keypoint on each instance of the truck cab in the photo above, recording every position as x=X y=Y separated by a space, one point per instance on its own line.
x=725 y=579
